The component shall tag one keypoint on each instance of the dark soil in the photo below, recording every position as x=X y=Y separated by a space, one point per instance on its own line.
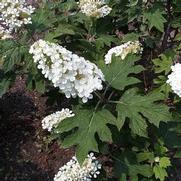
x=24 y=155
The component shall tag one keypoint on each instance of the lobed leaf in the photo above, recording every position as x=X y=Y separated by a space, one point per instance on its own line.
x=140 y=108
x=118 y=72
x=155 y=19
x=86 y=124
x=164 y=62
x=160 y=173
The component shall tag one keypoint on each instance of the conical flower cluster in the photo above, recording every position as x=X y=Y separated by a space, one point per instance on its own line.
x=94 y=8
x=123 y=50
x=51 y=121
x=72 y=74
x=72 y=171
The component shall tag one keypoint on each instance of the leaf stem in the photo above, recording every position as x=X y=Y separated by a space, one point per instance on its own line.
x=101 y=97
x=111 y=95
x=114 y=102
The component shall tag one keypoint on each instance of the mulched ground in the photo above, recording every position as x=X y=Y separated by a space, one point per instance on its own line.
x=24 y=154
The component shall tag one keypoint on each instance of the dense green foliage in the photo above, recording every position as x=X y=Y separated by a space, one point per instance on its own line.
x=135 y=121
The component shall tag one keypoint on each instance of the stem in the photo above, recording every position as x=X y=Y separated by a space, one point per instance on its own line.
x=107 y=87
x=111 y=95
x=167 y=32
x=101 y=97
x=114 y=102
x=97 y=105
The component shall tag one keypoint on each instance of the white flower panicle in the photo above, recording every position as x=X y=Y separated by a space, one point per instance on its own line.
x=51 y=121
x=72 y=171
x=174 y=79
x=123 y=50
x=15 y=13
x=4 y=33
x=72 y=74
x=94 y=8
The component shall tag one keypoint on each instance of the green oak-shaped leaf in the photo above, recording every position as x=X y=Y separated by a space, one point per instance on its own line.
x=160 y=173
x=140 y=108
x=126 y=164
x=117 y=74
x=85 y=125
x=164 y=162
x=164 y=62
x=12 y=53
x=155 y=19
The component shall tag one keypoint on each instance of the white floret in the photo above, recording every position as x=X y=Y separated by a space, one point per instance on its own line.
x=94 y=8
x=15 y=13
x=174 y=79
x=72 y=74
x=72 y=171
x=123 y=50
x=4 y=33
x=51 y=121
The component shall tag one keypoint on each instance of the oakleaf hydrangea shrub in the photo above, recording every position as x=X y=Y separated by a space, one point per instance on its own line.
x=118 y=66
